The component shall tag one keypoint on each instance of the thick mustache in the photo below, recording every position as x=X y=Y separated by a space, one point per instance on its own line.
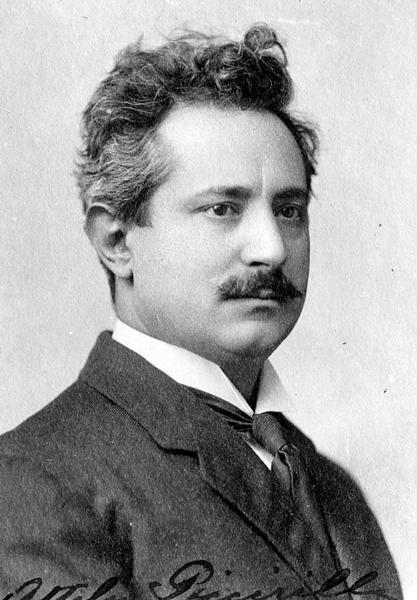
x=258 y=284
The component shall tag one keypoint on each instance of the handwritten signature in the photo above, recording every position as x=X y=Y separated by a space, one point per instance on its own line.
x=36 y=583
x=187 y=581
x=198 y=572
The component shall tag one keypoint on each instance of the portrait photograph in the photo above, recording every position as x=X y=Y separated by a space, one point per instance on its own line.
x=208 y=327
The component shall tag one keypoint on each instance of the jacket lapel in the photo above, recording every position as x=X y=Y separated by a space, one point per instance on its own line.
x=179 y=420
x=147 y=394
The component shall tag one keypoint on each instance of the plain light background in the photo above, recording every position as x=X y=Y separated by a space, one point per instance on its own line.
x=350 y=362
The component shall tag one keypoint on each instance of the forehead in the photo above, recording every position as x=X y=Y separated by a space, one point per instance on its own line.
x=210 y=146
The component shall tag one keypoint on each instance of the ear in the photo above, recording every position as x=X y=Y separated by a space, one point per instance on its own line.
x=108 y=236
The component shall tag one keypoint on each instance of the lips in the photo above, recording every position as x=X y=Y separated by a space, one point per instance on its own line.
x=262 y=294
x=266 y=294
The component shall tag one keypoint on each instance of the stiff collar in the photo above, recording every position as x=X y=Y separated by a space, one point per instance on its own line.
x=197 y=372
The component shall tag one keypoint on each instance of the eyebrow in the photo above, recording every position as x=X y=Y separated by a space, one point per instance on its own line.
x=293 y=192
x=237 y=192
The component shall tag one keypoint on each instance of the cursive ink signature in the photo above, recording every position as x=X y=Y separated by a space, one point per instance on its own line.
x=188 y=579
x=32 y=586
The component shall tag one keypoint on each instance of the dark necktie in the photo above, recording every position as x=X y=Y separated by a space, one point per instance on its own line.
x=292 y=465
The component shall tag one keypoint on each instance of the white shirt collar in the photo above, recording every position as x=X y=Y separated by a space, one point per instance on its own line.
x=193 y=370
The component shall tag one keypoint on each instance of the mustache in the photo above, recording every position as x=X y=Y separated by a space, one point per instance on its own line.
x=272 y=284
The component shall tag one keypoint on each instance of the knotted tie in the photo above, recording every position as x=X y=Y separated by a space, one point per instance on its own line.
x=307 y=535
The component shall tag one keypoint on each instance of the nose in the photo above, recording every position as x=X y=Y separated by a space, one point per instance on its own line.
x=262 y=241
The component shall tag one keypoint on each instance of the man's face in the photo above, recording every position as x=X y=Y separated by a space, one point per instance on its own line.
x=228 y=221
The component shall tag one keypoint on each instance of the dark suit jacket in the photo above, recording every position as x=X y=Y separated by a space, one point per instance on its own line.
x=129 y=475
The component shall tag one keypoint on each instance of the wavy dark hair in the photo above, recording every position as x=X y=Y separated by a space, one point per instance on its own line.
x=122 y=161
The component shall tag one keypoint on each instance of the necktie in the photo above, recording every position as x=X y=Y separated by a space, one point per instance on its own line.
x=292 y=465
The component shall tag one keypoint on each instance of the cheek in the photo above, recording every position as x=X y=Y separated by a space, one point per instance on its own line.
x=306 y=260
x=307 y=255
x=183 y=269
x=168 y=279
x=299 y=260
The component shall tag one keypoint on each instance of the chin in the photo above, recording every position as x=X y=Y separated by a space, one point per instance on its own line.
x=255 y=340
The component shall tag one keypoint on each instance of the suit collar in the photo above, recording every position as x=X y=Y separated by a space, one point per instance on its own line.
x=179 y=420
x=152 y=398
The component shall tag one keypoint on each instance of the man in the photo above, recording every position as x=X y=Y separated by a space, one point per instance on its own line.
x=151 y=477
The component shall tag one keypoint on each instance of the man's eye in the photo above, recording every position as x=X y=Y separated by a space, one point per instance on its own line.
x=222 y=210
x=291 y=213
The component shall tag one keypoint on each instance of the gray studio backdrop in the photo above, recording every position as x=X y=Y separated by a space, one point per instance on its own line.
x=350 y=363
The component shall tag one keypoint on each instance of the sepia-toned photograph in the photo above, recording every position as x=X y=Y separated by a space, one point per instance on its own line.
x=207 y=305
